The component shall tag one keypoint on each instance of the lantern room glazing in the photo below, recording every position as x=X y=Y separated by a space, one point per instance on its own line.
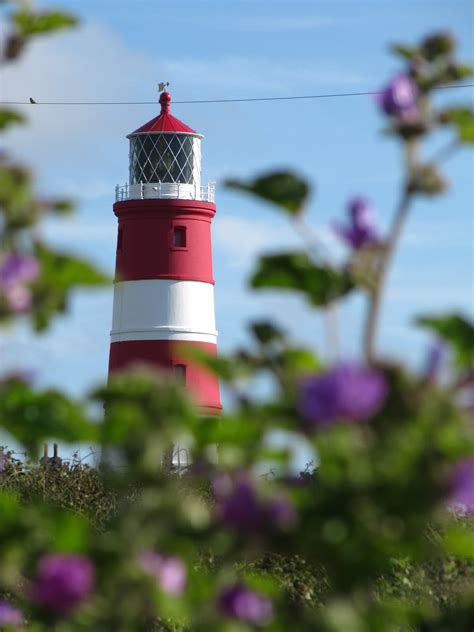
x=165 y=157
x=165 y=160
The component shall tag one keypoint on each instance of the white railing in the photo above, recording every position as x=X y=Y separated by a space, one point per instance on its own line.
x=165 y=190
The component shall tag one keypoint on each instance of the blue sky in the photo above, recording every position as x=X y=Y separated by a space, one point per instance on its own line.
x=235 y=49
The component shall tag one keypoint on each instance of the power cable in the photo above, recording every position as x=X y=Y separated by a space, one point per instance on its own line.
x=243 y=100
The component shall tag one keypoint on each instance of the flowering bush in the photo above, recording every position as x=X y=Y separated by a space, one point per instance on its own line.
x=134 y=546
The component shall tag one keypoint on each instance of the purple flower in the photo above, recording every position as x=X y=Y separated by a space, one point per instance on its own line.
x=434 y=361
x=238 y=602
x=282 y=513
x=63 y=582
x=462 y=487
x=399 y=98
x=15 y=272
x=346 y=393
x=169 y=572
x=9 y=615
x=238 y=505
x=17 y=268
x=362 y=230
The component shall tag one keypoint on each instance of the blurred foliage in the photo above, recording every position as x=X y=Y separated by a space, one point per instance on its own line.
x=370 y=540
x=45 y=415
x=463 y=121
x=458 y=332
x=60 y=274
x=295 y=271
x=283 y=188
x=21 y=209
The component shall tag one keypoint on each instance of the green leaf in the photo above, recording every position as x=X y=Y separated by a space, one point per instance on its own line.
x=457 y=331
x=407 y=52
x=463 y=121
x=145 y=411
x=61 y=206
x=32 y=416
x=69 y=532
x=226 y=368
x=295 y=271
x=460 y=541
x=438 y=45
x=299 y=361
x=19 y=208
x=10 y=117
x=44 y=22
x=266 y=332
x=9 y=508
x=457 y=72
x=283 y=188
x=60 y=274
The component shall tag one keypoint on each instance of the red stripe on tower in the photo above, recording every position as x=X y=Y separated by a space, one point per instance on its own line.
x=164 y=287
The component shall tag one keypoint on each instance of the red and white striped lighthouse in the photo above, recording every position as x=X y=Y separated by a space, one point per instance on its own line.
x=164 y=287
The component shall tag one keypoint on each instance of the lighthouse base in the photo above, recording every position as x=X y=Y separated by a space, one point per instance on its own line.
x=170 y=355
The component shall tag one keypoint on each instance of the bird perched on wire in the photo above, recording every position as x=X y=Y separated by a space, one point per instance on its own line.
x=32 y=100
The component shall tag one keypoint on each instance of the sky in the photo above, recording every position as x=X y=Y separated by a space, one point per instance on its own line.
x=240 y=49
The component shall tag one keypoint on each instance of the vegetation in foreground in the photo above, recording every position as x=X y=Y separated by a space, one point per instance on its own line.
x=377 y=538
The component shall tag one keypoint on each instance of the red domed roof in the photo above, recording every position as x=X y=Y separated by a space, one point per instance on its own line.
x=164 y=122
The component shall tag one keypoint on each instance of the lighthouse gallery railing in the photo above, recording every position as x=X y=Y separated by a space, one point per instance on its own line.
x=165 y=190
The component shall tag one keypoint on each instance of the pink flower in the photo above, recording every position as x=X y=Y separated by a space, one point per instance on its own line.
x=238 y=602
x=9 y=615
x=63 y=582
x=16 y=271
x=18 y=298
x=169 y=572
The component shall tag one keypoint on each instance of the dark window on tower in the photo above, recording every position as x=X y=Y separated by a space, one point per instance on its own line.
x=180 y=373
x=120 y=239
x=179 y=237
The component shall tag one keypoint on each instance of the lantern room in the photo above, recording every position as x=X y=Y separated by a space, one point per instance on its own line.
x=165 y=160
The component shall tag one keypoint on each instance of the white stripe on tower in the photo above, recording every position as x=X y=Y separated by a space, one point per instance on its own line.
x=164 y=309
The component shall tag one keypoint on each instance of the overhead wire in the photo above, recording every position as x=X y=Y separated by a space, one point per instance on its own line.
x=239 y=100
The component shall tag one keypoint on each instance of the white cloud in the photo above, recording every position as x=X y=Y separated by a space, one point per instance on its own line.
x=81 y=230
x=88 y=64
x=81 y=191
x=241 y=239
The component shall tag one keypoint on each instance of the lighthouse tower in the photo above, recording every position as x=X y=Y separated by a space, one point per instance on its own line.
x=164 y=287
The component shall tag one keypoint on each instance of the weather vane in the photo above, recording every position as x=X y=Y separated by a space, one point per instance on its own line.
x=163 y=85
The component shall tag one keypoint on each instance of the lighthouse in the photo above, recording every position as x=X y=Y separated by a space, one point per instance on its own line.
x=164 y=285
